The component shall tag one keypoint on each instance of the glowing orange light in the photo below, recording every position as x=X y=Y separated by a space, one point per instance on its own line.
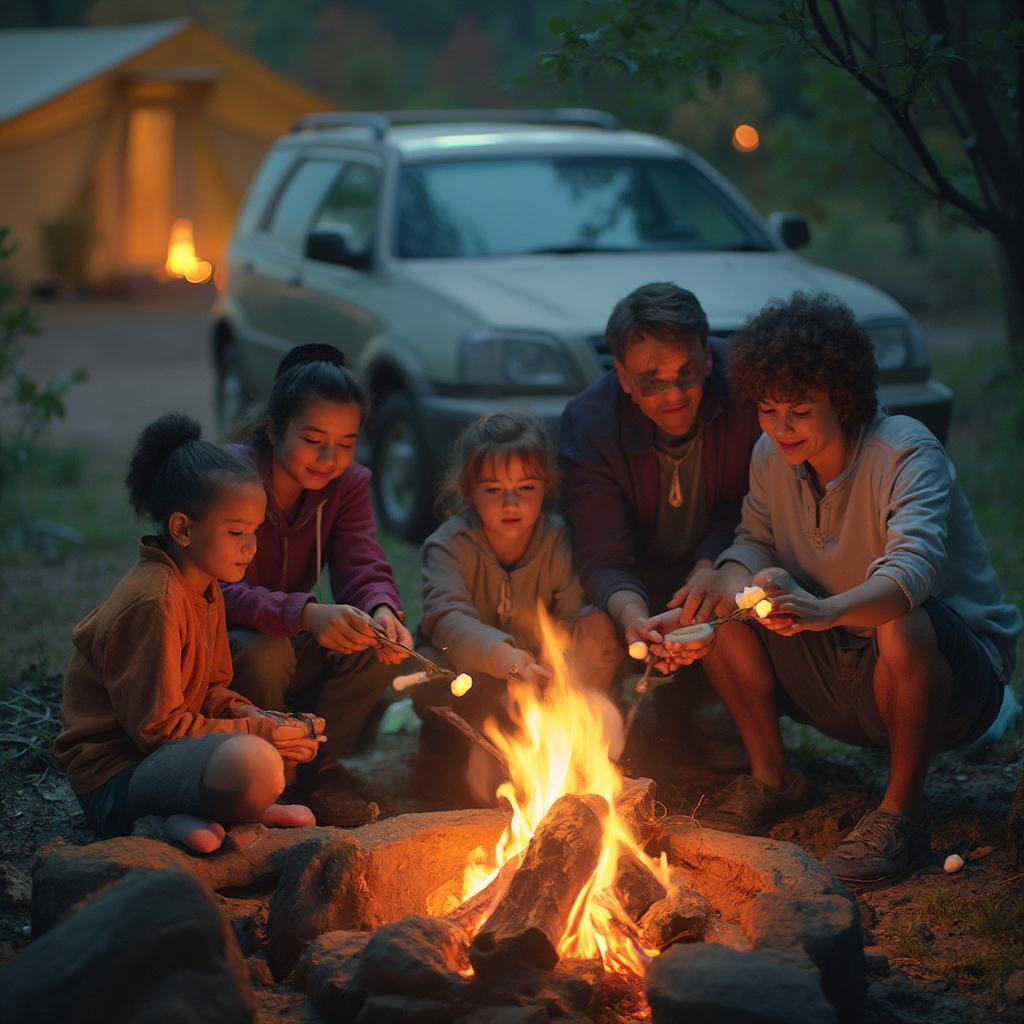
x=745 y=138
x=181 y=255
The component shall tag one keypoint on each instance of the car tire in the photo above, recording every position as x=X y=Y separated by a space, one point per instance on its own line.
x=403 y=470
x=232 y=398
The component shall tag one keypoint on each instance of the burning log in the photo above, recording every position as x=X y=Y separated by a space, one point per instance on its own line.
x=531 y=918
x=469 y=913
x=635 y=886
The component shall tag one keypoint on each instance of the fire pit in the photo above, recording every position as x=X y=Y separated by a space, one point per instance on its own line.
x=573 y=902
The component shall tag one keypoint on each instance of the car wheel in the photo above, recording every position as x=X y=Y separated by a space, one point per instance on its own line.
x=232 y=399
x=403 y=471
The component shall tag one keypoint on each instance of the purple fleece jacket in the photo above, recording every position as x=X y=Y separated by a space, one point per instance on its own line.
x=277 y=583
x=609 y=472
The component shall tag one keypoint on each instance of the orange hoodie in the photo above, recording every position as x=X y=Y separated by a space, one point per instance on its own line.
x=151 y=665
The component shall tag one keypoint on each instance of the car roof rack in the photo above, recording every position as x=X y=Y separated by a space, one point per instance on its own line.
x=378 y=122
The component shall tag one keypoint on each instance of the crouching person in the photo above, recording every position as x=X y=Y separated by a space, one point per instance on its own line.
x=888 y=627
x=150 y=725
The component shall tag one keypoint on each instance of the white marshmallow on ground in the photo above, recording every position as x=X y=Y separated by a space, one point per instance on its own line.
x=701 y=632
x=954 y=863
x=638 y=650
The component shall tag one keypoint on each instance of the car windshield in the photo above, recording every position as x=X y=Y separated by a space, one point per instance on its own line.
x=519 y=206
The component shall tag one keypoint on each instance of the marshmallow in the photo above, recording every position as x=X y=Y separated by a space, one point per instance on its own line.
x=638 y=650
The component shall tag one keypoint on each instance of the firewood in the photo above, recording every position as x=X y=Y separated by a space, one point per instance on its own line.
x=469 y=913
x=635 y=885
x=531 y=918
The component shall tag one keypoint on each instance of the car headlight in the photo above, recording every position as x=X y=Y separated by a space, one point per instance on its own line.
x=514 y=359
x=895 y=343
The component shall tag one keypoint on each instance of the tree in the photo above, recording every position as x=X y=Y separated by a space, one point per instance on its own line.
x=947 y=76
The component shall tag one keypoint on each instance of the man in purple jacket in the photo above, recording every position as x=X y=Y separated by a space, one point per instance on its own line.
x=654 y=457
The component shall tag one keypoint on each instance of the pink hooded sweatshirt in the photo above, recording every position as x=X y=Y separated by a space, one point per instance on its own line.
x=334 y=526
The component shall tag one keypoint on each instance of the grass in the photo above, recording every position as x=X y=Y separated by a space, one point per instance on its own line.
x=993 y=926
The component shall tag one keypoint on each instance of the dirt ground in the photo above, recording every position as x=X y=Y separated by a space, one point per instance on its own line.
x=943 y=944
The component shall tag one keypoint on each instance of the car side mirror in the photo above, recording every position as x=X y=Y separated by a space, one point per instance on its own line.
x=333 y=245
x=791 y=229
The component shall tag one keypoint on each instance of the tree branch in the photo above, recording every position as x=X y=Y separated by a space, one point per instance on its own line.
x=993 y=149
x=946 y=189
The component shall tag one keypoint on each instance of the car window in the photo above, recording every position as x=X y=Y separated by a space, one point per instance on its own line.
x=517 y=206
x=288 y=220
x=263 y=186
x=351 y=207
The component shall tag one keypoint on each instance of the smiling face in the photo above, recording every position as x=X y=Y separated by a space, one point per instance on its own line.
x=508 y=496
x=809 y=431
x=222 y=543
x=318 y=445
x=666 y=380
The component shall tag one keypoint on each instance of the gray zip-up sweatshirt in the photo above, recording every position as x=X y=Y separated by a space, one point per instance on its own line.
x=472 y=604
x=897 y=510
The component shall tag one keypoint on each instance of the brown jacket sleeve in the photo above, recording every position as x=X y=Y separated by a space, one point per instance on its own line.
x=157 y=680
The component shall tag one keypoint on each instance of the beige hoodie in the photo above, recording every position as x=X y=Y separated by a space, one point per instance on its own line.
x=472 y=604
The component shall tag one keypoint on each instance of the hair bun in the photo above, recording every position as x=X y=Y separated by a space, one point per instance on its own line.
x=154 y=447
x=317 y=352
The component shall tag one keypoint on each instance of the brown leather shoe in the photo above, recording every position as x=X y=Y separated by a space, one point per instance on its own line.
x=330 y=793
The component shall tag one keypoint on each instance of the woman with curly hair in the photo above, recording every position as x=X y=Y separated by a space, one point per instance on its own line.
x=888 y=626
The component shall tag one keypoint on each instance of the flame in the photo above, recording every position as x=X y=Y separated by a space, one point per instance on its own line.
x=561 y=744
x=181 y=255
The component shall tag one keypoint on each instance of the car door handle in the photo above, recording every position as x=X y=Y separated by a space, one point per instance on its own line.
x=295 y=281
x=248 y=267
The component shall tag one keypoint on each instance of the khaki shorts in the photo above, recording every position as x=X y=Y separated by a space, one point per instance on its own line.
x=826 y=680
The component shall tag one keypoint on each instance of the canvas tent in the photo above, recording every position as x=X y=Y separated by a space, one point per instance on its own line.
x=132 y=128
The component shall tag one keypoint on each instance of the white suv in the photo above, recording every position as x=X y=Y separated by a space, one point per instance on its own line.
x=468 y=261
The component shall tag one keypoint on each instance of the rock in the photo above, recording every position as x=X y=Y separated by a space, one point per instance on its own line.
x=358 y=879
x=259 y=972
x=323 y=888
x=826 y=929
x=682 y=916
x=707 y=984
x=1014 y=987
x=256 y=858
x=877 y=965
x=64 y=875
x=15 y=888
x=154 y=944
x=326 y=971
x=506 y=1015
x=417 y=956
x=733 y=868
x=403 y=1010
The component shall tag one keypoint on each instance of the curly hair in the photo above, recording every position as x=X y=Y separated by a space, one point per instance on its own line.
x=501 y=435
x=810 y=343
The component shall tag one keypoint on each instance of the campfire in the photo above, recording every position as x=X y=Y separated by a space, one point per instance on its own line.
x=572 y=901
x=567 y=878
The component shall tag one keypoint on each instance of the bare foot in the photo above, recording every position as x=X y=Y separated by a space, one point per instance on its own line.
x=288 y=816
x=196 y=833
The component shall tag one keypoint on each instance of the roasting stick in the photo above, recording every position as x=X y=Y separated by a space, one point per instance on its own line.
x=638 y=698
x=434 y=671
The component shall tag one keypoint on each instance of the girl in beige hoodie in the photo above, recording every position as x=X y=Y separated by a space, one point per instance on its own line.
x=489 y=566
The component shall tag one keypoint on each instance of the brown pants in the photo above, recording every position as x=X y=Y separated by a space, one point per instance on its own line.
x=277 y=673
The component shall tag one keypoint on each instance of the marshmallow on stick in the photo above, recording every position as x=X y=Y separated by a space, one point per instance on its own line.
x=753 y=597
